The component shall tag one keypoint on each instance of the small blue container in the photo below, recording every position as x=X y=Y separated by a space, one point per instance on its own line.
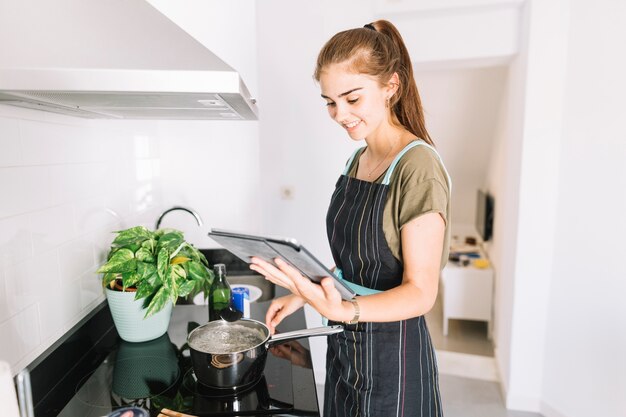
x=241 y=300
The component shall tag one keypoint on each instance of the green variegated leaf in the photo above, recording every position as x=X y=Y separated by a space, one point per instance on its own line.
x=144 y=255
x=201 y=256
x=158 y=302
x=123 y=260
x=130 y=279
x=197 y=271
x=154 y=280
x=178 y=249
x=186 y=288
x=191 y=252
x=134 y=235
x=186 y=252
x=178 y=272
x=171 y=240
x=146 y=271
x=163 y=260
x=108 y=278
x=149 y=244
x=144 y=289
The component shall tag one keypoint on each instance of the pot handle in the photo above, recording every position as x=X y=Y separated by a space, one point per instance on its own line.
x=298 y=334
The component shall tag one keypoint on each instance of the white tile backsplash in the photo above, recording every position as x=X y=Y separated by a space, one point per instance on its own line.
x=75 y=181
x=20 y=335
x=52 y=227
x=28 y=281
x=102 y=239
x=10 y=153
x=54 y=143
x=93 y=214
x=90 y=289
x=16 y=243
x=118 y=204
x=76 y=258
x=42 y=143
x=4 y=302
x=58 y=308
x=24 y=189
x=66 y=184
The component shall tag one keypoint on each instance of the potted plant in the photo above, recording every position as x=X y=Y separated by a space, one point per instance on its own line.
x=145 y=273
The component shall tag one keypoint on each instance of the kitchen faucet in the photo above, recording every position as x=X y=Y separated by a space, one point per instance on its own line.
x=190 y=211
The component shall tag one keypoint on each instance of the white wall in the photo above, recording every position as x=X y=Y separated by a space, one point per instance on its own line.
x=524 y=180
x=560 y=329
x=462 y=108
x=213 y=166
x=66 y=184
x=503 y=183
x=585 y=369
x=539 y=169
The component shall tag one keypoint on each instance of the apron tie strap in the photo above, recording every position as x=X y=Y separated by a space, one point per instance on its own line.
x=359 y=289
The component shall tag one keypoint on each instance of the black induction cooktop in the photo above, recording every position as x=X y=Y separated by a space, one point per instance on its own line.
x=92 y=372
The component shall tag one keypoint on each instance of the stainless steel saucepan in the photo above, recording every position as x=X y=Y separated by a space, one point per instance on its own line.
x=233 y=354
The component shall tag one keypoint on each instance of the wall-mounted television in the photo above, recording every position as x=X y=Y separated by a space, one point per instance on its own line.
x=484 y=215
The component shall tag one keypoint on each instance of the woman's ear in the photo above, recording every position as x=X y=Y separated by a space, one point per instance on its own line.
x=393 y=84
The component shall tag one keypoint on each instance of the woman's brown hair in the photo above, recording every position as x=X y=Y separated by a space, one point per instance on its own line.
x=378 y=50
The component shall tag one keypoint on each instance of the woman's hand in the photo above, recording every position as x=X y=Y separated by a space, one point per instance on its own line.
x=293 y=351
x=276 y=275
x=324 y=298
x=281 y=308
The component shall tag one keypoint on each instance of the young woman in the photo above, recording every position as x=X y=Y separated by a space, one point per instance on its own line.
x=388 y=230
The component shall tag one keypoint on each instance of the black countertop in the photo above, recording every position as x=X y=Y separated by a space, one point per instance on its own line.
x=62 y=375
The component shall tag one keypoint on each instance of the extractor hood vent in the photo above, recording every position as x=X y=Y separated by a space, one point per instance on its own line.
x=109 y=105
x=118 y=59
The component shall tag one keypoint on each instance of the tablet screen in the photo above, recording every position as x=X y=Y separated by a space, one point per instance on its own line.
x=246 y=246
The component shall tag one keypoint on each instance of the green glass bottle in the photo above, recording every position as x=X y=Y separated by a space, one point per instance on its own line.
x=220 y=293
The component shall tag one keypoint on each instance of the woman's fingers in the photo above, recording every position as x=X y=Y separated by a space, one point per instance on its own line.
x=331 y=293
x=270 y=316
x=324 y=298
x=281 y=351
x=281 y=308
x=295 y=345
x=277 y=318
x=272 y=273
x=287 y=276
x=301 y=283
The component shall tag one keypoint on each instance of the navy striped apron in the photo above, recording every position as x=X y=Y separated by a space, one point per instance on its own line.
x=374 y=369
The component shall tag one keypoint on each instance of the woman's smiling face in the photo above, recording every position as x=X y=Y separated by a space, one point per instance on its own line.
x=355 y=101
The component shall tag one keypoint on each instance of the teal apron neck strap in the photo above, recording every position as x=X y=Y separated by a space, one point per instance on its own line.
x=418 y=142
x=349 y=164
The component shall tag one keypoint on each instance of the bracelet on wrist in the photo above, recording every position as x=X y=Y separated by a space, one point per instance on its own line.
x=357 y=312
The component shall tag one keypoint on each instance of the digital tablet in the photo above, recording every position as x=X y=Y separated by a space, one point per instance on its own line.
x=245 y=246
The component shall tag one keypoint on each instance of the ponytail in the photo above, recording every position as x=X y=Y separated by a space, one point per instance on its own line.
x=378 y=50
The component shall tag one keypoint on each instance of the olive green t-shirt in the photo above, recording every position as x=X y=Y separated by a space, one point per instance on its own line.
x=418 y=185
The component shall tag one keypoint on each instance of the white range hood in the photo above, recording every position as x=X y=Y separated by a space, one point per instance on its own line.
x=117 y=59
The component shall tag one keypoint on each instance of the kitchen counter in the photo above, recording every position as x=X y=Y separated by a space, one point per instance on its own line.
x=78 y=375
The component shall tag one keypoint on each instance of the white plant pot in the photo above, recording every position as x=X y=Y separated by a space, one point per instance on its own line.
x=128 y=316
